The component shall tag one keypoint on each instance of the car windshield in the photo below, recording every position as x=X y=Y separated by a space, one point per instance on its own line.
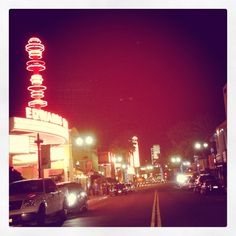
x=71 y=187
x=25 y=187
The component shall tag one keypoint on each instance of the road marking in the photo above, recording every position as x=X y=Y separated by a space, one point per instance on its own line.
x=156 y=214
x=154 y=210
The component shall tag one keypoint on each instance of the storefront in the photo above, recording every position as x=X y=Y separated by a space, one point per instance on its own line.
x=54 y=149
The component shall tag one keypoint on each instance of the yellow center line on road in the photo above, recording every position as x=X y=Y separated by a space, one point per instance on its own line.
x=158 y=212
x=156 y=215
x=154 y=210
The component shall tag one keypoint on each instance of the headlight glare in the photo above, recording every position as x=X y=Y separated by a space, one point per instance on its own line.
x=71 y=199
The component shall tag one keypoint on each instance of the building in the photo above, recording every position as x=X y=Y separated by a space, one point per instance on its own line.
x=39 y=141
x=155 y=154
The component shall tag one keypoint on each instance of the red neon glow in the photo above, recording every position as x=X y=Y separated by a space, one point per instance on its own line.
x=35 y=50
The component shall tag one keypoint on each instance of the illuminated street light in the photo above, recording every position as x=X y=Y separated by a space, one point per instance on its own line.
x=186 y=163
x=197 y=146
x=150 y=167
x=178 y=159
x=119 y=159
x=175 y=159
x=124 y=166
x=205 y=145
x=89 y=140
x=79 y=141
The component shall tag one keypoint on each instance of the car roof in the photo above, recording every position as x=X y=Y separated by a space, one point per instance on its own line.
x=68 y=183
x=27 y=180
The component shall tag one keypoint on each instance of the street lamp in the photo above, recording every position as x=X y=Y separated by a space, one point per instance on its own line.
x=79 y=141
x=88 y=140
x=84 y=154
x=200 y=147
x=186 y=163
x=175 y=159
x=124 y=166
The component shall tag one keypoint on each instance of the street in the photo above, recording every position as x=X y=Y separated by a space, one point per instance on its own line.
x=161 y=205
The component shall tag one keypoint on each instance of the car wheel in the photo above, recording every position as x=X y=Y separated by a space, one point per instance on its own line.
x=41 y=215
x=62 y=215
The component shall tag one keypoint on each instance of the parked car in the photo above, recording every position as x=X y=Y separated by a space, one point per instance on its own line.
x=35 y=200
x=200 y=179
x=129 y=187
x=76 y=197
x=211 y=186
x=191 y=182
x=117 y=189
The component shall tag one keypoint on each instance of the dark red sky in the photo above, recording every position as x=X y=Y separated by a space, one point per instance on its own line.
x=124 y=71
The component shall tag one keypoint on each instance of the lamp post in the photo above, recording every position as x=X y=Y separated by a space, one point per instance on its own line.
x=200 y=153
x=176 y=160
x=84 y=143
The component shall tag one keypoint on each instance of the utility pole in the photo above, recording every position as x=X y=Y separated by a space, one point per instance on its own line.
x=38 y=141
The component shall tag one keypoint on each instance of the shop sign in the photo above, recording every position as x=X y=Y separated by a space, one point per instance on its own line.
x=41 y=115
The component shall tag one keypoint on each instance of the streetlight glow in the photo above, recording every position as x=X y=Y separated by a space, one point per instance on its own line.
x=178 y=159
x=79 y=141
x=119 y=159
x=123 y=166
x=197 y=145
x=89 y=140
x=205 y=145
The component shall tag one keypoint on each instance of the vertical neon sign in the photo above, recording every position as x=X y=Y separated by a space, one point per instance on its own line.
x=35 y=50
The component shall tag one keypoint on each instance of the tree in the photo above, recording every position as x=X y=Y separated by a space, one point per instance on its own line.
x=183 y=135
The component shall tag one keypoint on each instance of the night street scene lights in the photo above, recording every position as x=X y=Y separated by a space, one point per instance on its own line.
x=180 y=164
x=120 y=168
x=86 y=141
x=175 y=159
x=200 y=155
x=199 y=145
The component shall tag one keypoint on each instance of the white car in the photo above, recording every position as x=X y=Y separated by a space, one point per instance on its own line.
x=35 y=200
x=75 y=195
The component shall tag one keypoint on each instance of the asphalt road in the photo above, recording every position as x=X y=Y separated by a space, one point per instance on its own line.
x=161 y=205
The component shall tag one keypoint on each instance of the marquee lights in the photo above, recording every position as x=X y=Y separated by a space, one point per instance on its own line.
x=35 y=50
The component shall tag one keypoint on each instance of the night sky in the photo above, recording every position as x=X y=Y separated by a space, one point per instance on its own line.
x=117 y=73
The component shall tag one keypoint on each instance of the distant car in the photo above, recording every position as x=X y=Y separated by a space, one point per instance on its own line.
x=200 y=179
x=211 y=186
x=190 y=183
x=129 y=187
x=76 y=197
x=35 y=200
x=118 y=189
